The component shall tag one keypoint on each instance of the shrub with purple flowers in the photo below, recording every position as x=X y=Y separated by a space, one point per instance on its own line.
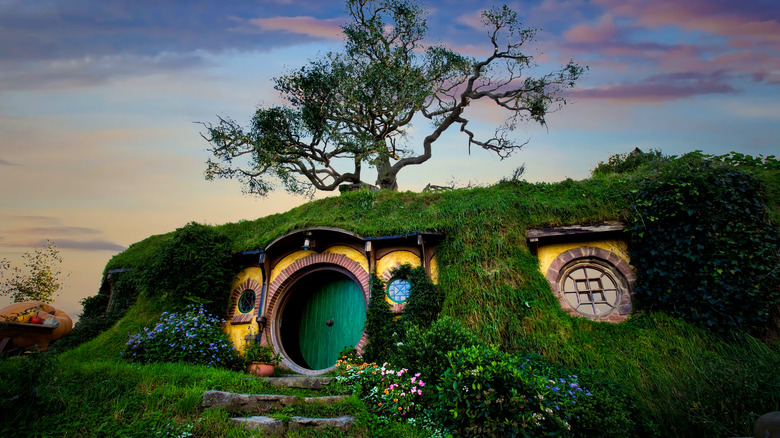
x=489 y=393
x=193 y=337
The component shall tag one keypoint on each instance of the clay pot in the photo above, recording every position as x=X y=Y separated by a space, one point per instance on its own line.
x=260 y=369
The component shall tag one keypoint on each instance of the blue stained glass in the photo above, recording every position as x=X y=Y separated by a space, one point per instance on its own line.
x=398 y=290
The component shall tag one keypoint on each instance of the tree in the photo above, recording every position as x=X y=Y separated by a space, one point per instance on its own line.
x=39 y=281
x=354 y=108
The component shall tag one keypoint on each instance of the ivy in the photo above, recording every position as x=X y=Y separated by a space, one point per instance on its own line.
x=195 y=267
x=704 y=247
x=425 y=300
x=379 y=324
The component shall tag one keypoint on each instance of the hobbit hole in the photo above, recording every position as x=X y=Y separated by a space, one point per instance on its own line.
x=312 y=303
x=588 y=269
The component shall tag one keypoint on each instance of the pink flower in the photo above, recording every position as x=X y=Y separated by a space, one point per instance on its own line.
x=419 y=392
x=414 y=389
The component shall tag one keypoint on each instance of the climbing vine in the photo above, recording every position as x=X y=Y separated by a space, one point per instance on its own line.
x=703 y=245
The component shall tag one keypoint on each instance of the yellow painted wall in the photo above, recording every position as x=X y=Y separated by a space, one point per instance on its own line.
x=239 y=331
x=390 y=261
x=434 y=265
x=548 y=253
x=352 y=253
x=287 y=261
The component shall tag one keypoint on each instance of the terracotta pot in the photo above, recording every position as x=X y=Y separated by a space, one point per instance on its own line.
x=260 y=369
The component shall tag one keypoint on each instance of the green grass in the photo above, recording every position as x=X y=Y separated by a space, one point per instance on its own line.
x=689 y=382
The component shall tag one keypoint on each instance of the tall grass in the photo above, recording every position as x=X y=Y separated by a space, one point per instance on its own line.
x=689 y=382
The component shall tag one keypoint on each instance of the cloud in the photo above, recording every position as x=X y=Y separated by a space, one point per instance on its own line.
x=57 y=231
x=7 y=163
x=83 y=245
x=90 y=245
x=90 y=71
x=754 y=20
x=662 y=87
x=310 y=26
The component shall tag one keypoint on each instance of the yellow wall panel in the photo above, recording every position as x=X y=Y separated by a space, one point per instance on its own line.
x=548 y=253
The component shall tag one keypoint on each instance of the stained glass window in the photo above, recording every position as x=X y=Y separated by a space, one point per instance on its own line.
x=246 y=303
x=398 y=290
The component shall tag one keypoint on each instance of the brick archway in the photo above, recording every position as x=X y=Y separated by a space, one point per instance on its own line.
x=585 y=255
x=244 y=318
x=278 y=289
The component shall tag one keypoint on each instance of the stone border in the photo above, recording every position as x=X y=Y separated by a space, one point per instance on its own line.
x=244 y=318
x=590 y=254
x=386 y=276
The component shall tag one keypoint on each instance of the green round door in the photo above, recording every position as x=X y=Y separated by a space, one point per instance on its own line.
x=328 y=312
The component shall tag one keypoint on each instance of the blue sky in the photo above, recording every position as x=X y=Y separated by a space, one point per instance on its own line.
x=99 y=102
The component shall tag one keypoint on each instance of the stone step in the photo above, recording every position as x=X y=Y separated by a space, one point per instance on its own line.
x=259 y=403
x=303 y=382
x=277 y=427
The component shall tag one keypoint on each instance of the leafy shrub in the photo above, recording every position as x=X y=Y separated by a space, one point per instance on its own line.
x=426 y=349
x=195 y=267
x=425 y=299
x=193 y=337
x=629 y=162
x=704 y=247
x=388 y=392
x=609 y=411
x=94 y=306
x=489 y=393
x=379 y=324
x=85 y=330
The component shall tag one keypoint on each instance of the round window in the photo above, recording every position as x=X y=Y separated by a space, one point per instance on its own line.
x=398 y=290
x=590 y=289
x=246 y=303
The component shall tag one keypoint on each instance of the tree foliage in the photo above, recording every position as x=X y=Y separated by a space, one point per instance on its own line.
x=39 y=280
x=355 y=108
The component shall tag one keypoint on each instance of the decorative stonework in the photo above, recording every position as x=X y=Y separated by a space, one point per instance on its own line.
x=386 y=276
x=607 y=271
x=236 y=317
x=290 y=274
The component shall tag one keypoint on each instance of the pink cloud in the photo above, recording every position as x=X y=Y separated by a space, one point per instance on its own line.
x=725 y=18
x=329 y=28
x=660 y=88
x=604 y=31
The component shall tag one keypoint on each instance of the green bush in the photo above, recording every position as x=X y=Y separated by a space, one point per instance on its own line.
x=379 y=325
x=703 y=246
x=94 y=306
x=630 y=162
x=193 y=337
x=195 y=267
x=425 y=350
x=486 y=392
x=425 y=299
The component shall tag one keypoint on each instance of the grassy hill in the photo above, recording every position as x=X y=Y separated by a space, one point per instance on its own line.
x=684 y=379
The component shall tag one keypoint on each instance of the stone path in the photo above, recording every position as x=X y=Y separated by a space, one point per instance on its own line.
x=248 y=404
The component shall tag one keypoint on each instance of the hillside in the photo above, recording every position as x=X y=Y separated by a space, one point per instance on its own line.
x=679 y=378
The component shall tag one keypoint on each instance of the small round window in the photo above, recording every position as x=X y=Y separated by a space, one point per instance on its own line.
x=398 y=290
x=246 y=303
x=590 y=289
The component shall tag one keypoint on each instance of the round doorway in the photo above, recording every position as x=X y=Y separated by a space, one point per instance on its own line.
x=324 y=311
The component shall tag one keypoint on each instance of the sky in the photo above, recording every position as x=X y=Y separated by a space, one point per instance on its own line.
x=100 y=104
